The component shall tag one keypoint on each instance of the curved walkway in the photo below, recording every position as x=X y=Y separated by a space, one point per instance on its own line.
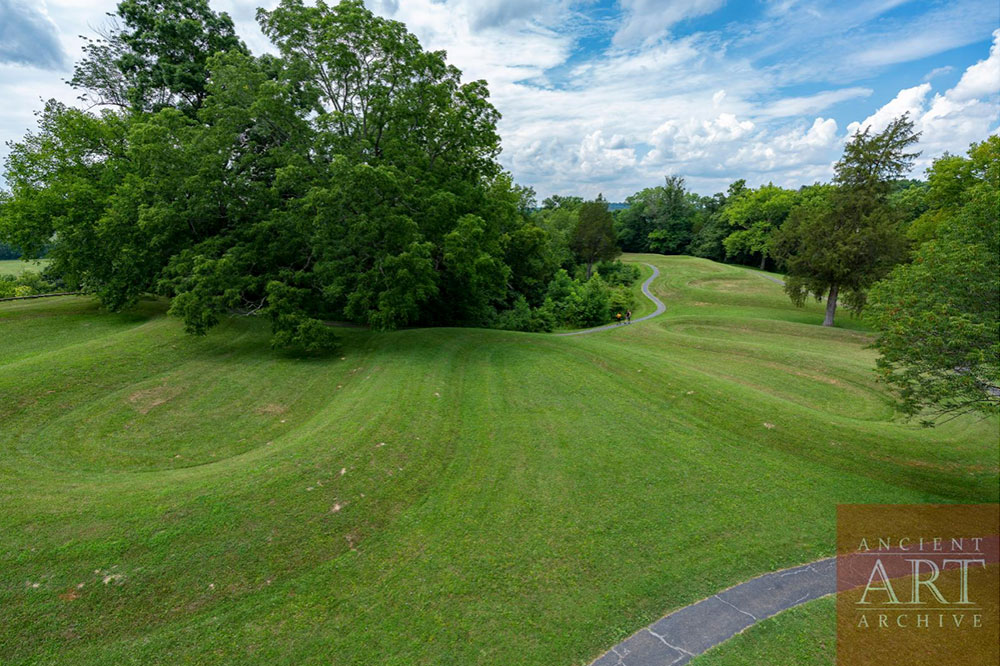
x=660 y=307
x=686 y=633
x=770 y=277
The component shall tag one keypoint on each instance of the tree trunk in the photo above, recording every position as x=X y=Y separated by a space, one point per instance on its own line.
x=831 y=306
x=590 y=268
x=763 y=260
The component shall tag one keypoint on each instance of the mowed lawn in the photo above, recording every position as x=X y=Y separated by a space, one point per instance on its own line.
x=16 y=266
x=446 y=496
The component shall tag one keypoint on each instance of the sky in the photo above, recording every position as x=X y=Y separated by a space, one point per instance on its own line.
x=611 y=96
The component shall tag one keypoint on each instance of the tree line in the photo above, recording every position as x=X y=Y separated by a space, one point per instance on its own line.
x=920 y=259
x=354 y=176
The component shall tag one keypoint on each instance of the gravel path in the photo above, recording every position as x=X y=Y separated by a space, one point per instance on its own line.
x=660 y=307
x=684 y=634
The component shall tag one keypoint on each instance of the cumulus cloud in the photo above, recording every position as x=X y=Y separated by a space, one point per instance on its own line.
x=982 y=79
x=600 y=157
x=29 y=37
x=948 y=121
x=909 y=100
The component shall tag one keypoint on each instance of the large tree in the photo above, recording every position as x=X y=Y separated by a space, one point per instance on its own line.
x=938 y=316
x=593 y=239
x=756 y=216
x=153 y=54
x=658 y=219
x=711 y=229
x=843 y=239
x=352 y=176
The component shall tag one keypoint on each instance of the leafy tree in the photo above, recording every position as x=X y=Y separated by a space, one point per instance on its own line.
x=618 y=274
x=843 y=239
x=593 y=238
x=380 y=95
x=757 y=215
x=522 y=317
x=558 y=223
x=949 y=178
x=6 y=251
x=352 y=176
x=939 y=316
x=154 y=54
x=567 y=203
x=61 y=181
x=594 y=302
x=658 y=219
x=533 y=261
x=711 y=227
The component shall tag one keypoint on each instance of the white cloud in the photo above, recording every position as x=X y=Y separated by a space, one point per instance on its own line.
x=804 y=106
x=982 y=79
x=766 y=100
x=948 y=121
x=938 y=71
x=28 y=36
x=646 y=20
x=909 y=100
x=600 y=157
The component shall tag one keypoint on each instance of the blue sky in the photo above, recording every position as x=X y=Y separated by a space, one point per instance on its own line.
x=612 y=95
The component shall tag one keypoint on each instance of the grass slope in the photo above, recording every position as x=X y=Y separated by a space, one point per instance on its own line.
x=445 y=496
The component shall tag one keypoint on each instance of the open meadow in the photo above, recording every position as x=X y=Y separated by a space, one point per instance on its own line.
x=434 y=496
x=16 y=266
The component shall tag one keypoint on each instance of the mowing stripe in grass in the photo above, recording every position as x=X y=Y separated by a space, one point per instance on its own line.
x=684 y=634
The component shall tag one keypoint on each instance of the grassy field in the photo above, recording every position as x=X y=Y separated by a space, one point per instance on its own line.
x=446 y=496
x=16 y=266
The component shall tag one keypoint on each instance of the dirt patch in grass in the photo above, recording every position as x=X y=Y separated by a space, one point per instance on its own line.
x=272 y=409
x=819 y=378
x=145 y=400
x=726 y=284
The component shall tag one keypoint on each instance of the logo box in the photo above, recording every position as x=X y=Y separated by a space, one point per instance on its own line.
x=918 y=584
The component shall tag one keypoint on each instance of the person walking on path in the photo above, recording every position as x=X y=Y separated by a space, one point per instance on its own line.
x=628 y=316
x=618 y=317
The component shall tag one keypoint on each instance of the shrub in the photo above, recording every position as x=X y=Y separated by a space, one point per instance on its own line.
x=618 y=274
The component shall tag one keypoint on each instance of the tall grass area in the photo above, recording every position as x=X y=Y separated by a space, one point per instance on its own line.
x=434 y=496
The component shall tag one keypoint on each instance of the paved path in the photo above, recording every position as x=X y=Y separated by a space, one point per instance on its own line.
x=677 y=638
x=770 y=277
x=684 y=634
x=660 y=307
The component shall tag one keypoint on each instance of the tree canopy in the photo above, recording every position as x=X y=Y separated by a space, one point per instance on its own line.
x=939 y=315
x=593 y=239
x=757 y=215
x=658 y=219
x=353 y=176
x=843 y=238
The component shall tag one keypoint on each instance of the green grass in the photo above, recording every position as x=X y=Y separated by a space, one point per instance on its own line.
x=445 y=496
x=16 y=266
x=803 y=636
